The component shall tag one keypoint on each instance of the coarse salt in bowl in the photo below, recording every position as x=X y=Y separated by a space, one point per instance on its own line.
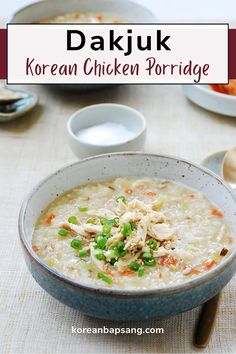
x=105 y=128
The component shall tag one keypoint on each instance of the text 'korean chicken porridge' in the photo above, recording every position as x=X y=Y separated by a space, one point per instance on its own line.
x=132 y=233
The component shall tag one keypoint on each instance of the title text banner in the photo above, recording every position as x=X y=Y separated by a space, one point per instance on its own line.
x=120 y=53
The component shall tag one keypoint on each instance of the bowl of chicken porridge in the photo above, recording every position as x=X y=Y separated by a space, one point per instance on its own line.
x=130 y=236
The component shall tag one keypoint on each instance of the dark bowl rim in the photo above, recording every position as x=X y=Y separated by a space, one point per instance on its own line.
x=129 y=293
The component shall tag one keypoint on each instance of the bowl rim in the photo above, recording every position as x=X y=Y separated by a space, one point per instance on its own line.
x=208 y=91
x=76 y=114
x=127 y=293
x=123 y=2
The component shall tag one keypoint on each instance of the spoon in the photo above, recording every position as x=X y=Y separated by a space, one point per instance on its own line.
x=228 y=168
x=206 y=322
x=9 y=96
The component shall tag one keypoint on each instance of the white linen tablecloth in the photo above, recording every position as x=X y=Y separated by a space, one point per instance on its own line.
x=31 y=322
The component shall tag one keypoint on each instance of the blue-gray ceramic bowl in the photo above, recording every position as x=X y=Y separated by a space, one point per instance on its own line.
x=127 y=304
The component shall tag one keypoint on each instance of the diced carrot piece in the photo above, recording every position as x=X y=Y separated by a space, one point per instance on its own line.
x=209 y=263
x=151 y=194
x=109 y=272
x=195 y=271
x=165 y=260
x=129 y=191
x=127 y=272
x=191 y=196
x=50 y=218
x=100 y=18
x=230 y=239
x=36 y=248
x=216 y=212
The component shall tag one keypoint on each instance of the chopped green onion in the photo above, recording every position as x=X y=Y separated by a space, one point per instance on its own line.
x=122 y=198
x=63 y=232
x=107 y=225
x=101 y=242
x=113 y=261
x=77 y=244
x=111 y=253
x=73 y=220
x=83 y=253
x=90 y=221
x=134 y=225
x=120 y=248
x=99 y=234
x=83 y=209
x=115 y=220
x=148 y=259
x=106 y=229
x=126 y=229
x=103 y=277
x=103 y=221
x=146 y=256
x=110 y=222
x=153 y=244
x=134 y=266
x=140 y=271
x=50 y=262
x=150 y=262
x=122 y=254
x=100 y=256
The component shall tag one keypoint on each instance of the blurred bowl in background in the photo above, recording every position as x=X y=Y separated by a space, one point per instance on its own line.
x=122 y=9
x=213 y=101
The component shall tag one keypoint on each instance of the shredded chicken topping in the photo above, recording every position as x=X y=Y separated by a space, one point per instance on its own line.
x=144 y=223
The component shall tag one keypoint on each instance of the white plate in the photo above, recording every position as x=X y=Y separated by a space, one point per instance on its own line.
x=214 y=161
x=211 y=100
x=19 y=108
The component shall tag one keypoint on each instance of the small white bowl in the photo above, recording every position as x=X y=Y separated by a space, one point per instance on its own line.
x=205 y=97
x=104 y=113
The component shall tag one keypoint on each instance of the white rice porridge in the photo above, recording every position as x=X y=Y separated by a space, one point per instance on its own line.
x=132 y=233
